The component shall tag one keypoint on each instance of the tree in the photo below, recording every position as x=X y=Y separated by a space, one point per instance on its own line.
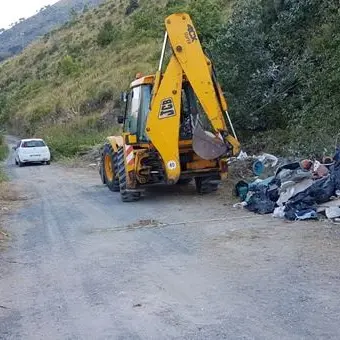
x=278 y=62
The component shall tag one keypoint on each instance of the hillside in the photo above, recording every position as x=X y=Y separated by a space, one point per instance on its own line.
x=278 y=62
x=14 y=39
x=60 y=86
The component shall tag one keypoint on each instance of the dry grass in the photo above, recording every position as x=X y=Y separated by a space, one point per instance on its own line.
x=39 y=65
x=9 y=200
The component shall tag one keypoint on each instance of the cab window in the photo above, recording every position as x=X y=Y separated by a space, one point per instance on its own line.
x=145 y=108
x=131 y=120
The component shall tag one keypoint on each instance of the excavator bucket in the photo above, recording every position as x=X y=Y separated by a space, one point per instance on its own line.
x=206 y=144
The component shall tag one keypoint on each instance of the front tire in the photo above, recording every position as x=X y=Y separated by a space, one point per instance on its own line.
x=126 y=196
x=109 y=167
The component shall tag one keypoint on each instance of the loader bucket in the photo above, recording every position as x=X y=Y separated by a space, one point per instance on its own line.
x=206 y=144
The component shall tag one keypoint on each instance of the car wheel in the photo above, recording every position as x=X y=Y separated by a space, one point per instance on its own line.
x=20 y=164
x=48 y=163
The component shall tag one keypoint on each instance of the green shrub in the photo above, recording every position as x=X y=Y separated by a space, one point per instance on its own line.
x=107 y=34
x=3 y=148
x=3 y=109
x=279 y=65
x=68 y=140
x=39 y=113
x=145 y=26
x=68 y=66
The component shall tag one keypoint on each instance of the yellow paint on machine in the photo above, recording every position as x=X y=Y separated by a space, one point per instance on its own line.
x=164 y=119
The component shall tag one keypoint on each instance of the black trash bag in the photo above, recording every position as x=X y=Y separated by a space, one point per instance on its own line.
x=319 y=192
x=273 y=193
x=259 y=202
x=292 y=209
x=289 y=166
x=322 y=189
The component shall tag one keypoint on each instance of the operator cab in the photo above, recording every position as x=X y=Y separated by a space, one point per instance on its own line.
x=137 y=107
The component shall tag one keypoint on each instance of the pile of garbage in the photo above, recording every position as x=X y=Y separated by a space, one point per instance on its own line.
x=296 y=191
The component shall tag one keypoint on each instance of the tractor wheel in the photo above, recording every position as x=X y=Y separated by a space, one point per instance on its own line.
x=109 y=172
x=126 y=196
x=206 y=185
x=184 y=181
x=101 y=169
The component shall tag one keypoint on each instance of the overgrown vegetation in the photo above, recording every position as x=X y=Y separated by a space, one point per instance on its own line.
x=3 y=155
x=107 y=34
x=67 y=140
x=278 y=62
x=3 y=148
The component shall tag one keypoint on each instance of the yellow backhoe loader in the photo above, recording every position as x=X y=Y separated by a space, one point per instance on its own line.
x=175 y=125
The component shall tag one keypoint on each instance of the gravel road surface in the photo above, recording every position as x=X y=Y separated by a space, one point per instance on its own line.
x=83 y=265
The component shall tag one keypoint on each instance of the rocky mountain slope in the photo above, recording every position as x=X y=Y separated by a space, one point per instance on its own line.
x=23 y=32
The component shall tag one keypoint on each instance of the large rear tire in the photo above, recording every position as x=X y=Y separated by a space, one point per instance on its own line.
x=126 y=196
x=109 y=168
x=206 y=185
x=101 y=169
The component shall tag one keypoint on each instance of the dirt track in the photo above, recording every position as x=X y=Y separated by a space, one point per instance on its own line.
x=83 y=265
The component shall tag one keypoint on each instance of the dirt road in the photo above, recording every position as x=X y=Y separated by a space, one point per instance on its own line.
x=83 y=265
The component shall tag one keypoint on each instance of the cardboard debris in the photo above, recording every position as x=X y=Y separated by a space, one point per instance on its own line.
x=332 y=212
x=332 y=203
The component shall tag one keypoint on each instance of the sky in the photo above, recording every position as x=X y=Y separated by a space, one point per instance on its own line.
x=12 y=10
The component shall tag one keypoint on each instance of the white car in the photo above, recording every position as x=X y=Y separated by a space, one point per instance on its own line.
x=32 y=151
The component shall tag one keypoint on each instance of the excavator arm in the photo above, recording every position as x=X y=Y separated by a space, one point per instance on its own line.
x=163 y=122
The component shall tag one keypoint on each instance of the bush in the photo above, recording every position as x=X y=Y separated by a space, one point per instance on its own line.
x=68 y=66
x=279 y=64
x=3 y=148
x=107 y=34
x=3 y=109
x=206 y=25
x=38 y=114
x=68 y=140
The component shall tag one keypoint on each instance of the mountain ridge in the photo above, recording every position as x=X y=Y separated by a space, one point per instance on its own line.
x=25 y=31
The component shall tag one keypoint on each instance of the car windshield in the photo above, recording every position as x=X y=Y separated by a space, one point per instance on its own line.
x=33 y=144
